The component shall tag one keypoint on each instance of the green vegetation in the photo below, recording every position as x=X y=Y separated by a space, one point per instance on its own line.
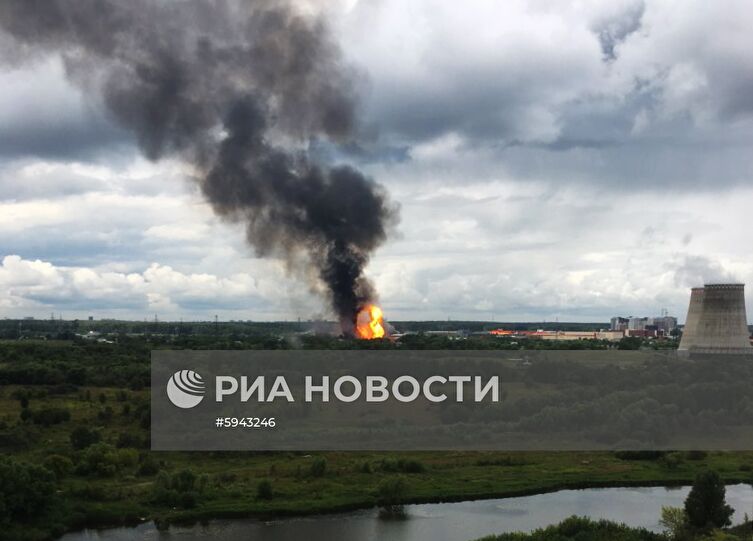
x=27 y=490
x=264 y=490
x=390 y=494
x=703 y=518
x=705 y=514
x=705 y=506
x=582 y=529
x=74 y=437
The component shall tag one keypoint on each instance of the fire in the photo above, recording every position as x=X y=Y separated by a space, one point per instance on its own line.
x=369 y=322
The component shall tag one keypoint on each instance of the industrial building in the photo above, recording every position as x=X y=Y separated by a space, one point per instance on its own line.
x=561 y=335
x=717 y=322
x=644 y=326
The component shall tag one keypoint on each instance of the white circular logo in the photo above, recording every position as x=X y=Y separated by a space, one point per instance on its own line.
x=185 y=389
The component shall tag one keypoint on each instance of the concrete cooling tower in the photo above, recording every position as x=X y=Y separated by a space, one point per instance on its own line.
x=689 y=333
x=716 y=321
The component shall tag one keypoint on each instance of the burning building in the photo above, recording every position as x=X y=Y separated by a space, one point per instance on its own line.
x=716 y=321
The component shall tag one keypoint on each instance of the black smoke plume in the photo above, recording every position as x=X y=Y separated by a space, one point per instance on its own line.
x=237 y=89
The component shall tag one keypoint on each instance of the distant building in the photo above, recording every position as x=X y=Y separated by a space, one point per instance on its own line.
x=611 y=335
x=561 y=335
x=641 y=333
x=637 y=323
x=653 y=326
x=665 y=324
x=449 y=334
x=619 y=323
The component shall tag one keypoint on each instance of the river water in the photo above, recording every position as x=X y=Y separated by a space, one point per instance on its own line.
x=439 y=522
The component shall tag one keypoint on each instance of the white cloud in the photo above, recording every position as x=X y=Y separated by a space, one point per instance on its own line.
x=35 y=287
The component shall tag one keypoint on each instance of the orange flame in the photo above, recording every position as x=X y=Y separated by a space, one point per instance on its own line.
x=369 y=322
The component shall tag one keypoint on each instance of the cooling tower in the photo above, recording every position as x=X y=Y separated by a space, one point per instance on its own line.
x=689 y=333
x=716 y=321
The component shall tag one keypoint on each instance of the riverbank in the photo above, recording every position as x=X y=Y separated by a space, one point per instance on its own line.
x=350 y=481
x=637 y=508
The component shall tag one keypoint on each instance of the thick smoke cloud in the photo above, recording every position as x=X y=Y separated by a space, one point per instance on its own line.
x=237 y=90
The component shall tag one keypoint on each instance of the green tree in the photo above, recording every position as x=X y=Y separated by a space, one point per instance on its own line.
x=59 y=465
x=390 y=493
x=26 y=490
x=178 y=489
x=82 y=437
x=318 y=467
x=705 y=505
x=631 y=342
x=264 y=490
x=104 y=460
x=675 y=522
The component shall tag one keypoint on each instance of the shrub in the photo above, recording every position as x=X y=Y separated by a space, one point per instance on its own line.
x=411 y=466
x=390 y=494
x=403 y=466
x=18 y=437
x=148 y=465
x=583 y=529
x=264 y=490
x=671 y=461
x=145 y=420
x=696 y=455
x=59 y=465
x=225 y=478
x=507 y=460
x=178 y=489
x=50 y=416
x=82 y=437
x=105 y=414
x=187 y=500
x=183 y=481
x=105 y=460
x=128 y=439
x=318 y=467
x=639 y=455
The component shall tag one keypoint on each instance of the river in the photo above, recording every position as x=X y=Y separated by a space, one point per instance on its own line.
x=459 y=521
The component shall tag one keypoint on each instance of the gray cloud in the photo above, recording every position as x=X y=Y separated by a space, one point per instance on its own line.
x=611 y=93
x=43 y=116
x=697 y=270
x=612 y=29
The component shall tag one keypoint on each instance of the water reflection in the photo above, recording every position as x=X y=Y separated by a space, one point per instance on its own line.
x=440 y=522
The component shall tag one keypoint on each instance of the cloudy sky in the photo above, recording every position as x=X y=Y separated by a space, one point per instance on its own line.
x=551 y=159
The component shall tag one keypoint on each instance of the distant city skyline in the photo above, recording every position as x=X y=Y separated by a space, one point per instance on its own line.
x=551 y=161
